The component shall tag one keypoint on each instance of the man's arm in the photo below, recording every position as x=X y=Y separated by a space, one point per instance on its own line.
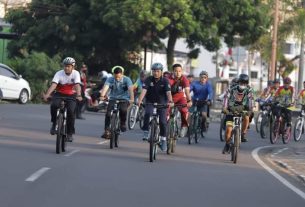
x=104 y=91
x=142 y=95
x=131 y=94
x=49 y=91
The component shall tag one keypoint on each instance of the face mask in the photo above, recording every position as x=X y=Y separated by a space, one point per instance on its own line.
x=242 y=87
x=286 y=87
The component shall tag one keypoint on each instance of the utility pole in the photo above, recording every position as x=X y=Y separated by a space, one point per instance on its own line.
x=301 y=63
x=272 y=68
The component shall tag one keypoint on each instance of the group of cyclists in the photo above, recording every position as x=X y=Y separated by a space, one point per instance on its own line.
x=167 y=88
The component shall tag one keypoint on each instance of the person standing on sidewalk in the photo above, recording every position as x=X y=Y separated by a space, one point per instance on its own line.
x=156 y=89
x=121 y=89
x=180 y=89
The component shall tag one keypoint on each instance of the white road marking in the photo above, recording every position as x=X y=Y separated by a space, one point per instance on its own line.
x=103 y=142
x=275 y=174
x=71 y=153
x=37 y=174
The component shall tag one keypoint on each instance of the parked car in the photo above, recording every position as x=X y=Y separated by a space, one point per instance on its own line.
x=13 y=86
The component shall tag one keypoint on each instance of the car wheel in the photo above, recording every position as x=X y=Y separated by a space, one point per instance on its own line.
x=23 y=97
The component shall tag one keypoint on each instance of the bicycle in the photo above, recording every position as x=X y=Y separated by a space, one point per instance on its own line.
x=136 y=114
x=222 y=128
x=61 y=125
x=299 y=127
x=154 y=129
x=235 y=138
x=115 y=127
x=265 y=122
x=278 y=126
x=258 y=119
x=173 y=128
x=195 y=123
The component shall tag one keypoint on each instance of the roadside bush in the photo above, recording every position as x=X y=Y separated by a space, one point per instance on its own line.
x=38 y=69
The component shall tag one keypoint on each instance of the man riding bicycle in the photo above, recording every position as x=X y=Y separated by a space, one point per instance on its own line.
x=284 y=97
x=121 y=88
x=137 y=86
x=301 y=96
x=156 y=89
x=65 y=83
x=202 y=92
x=180 y=89
x=239 y=99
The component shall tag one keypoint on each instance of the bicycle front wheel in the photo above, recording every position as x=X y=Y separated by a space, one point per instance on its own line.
x=132 y=116
x=258 y=122
x=191 y=130
x=113 y=122
x=235 y=147
x=265 y=125
x=171 y=140
x=274 y=130
x=286 y=135
x=222 y=129
x=298 y=129
x=59 y=137
x=152 y=140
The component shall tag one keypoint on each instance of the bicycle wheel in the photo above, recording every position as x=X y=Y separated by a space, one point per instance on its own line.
x=235 y=147
x=141 y=116
x=171 y=139
x=286 y=135
x=113 y=122
x=274 y=130
x=222 y=129
x=132 y=116
x=152 y=145
x=64 y=141
x=191 y=130
x=197 y=129
x=265 y=125
x=298 y=129
x=59 y=137
x=258 y=122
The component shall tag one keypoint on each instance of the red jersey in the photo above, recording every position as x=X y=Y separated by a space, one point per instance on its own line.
x=178 y=85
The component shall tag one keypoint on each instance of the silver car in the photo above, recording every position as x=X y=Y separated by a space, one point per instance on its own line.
x=13 y=86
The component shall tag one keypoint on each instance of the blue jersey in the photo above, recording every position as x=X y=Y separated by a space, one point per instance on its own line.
x=201 y=91
x=119 y=89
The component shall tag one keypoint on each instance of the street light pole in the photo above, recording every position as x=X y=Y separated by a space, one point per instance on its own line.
x=274 y=42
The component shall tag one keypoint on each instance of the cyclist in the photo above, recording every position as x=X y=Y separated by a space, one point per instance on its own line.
x=121 y=88
x=284 y=96
x=301 y=96
x=190 y=77
x=80 y=104
x=156 y=89
x=202 y=91
x=239 y=98
x=233 y=83
x=180 y=89
x=275 y=87
x=137 y=86
x=65 y=83
x=266 y=92
x=167 y=74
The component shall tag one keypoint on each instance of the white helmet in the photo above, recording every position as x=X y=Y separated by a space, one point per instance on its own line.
x=69 y=61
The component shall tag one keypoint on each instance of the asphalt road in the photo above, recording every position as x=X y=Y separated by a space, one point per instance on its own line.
x=90 y=174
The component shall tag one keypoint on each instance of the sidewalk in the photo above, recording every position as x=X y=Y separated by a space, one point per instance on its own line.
x=291 y=159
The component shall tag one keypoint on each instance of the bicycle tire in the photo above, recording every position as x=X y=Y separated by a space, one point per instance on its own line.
x=235 y=149
x=222 y=129
x=171 y=137
x=197 y=124
x=286 y=135
x=191 y=131
x=132 y=116
x=152 y=151
x=258 y=122
x=141 y=117
x=113 y=123
x=298 y=129
x=59 y=137
x=274 y=131
x=264 y=126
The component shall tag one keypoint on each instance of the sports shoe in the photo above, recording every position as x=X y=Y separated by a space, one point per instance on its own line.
x=163 y=144
x=69 y=137
x=226 y=149
x=243 y=138
x=106 y=134
x=145 y=136
x=53 y=130
x=183 y=131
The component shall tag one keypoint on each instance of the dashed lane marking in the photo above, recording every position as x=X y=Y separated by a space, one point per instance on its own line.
x=37 y=174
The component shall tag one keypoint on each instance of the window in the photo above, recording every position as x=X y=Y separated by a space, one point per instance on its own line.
x=254 y=74
x=7 y=73
x=288 y=48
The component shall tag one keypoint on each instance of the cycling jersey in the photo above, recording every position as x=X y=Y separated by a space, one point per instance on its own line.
x=302 y=96
x=156 y=90
x=178 y=86
x=65 y=83
x=138 y=86
x=239 y=100
x=119 y=88
x=284 y=96
x=201 y=91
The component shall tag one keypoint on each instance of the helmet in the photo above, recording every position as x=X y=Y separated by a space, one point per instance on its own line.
x=287 y=80
x=166 y=74
x=142 y=73
x=276 y=81
x=69 y=61
x=118 y=69
x=157 y=66
x=243 y=78
x=270 y=82
x=204 y=73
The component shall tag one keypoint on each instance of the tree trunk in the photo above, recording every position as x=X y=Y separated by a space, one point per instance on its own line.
x=170 y=50
x=301 y=65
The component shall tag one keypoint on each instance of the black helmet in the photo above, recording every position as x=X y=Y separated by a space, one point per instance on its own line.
x=287 y=80
x=276 y=81
x=243 y=78
x=270 y=82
